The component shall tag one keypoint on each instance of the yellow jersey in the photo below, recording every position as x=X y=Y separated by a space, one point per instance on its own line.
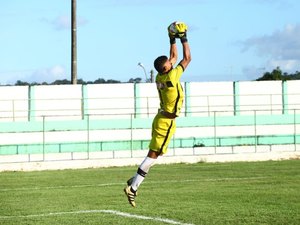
x=170 y=90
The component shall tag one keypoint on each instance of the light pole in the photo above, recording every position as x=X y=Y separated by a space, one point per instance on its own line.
x=73 y=44
x=141 y=65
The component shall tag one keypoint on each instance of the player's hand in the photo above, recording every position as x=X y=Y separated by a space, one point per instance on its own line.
x=181 y=29
x=171 y=33
x=177 y=30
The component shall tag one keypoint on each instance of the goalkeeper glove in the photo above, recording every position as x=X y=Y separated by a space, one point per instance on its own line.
x=171 y=33
x=181 y=31
x=183 y=38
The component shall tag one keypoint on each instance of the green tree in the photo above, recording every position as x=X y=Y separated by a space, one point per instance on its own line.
x=64 y=81
x=276 y=74
x=135 y=80
x=99 y=81
x=110 y=81
x=21 y=83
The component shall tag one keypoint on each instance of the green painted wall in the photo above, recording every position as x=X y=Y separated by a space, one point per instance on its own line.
x=139 y=123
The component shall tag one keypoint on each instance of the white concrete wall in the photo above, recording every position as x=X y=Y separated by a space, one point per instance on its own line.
x=293 y=91
x=110 y=100
x=209 y=97
x=149 y=101
x=58 y=102
x=21 y=138
x=13 y=103
x=117 y=100
x=263 y=96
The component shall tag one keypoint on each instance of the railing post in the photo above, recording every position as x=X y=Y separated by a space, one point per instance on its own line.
x=236 y=98
x=284 y=97
x=295 y=130
x=31 y=103
x=84 y=101
x=13 y=110
x=44 y=137
x=88 y=135
x=187 y=95
x=148 y=113
x=255 y=131
x=174 y=149
x=208 y=108
x=137 y=100
x=215 y=132
x=131 y=135
x=271 y=103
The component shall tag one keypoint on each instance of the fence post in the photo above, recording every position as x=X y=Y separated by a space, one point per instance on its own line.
x=84 y=101
x=44 y=137
x=88 y=135
x=215 y=132
x=295 y=130
x=236 y=98
x=137 y=100
x=187 y=99
x=208 y=108
x=284 y=97
x=13 y=110
x=31 y=103
x=148 y=109
x=255 y=131
x=131 y=135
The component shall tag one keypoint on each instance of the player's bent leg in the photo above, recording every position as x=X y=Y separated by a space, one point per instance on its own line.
x=134 y=182
x=142 y=172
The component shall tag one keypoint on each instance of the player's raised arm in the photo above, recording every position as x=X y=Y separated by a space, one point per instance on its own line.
x=173 y=54
x=173 y=48
x=179 y=30
x=187 y=58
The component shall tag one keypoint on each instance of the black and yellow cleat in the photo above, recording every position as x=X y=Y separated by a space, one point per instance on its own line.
x=130 y=195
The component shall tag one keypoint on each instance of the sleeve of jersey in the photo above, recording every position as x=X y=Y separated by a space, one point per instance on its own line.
x=178 y=71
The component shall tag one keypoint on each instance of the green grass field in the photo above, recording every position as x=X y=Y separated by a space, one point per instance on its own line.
x=203 y=193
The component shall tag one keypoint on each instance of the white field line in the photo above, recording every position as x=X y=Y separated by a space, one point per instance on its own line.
x=118 y=213
x=61 y=187
x=117 y=184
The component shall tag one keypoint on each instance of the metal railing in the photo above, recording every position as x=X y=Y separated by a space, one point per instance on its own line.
x=23 y=110
x=91 y=135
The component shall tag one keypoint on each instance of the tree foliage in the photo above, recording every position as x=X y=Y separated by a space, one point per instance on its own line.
x=277 y=74
x=79 y=81
x=65 y=81
x=135 y=80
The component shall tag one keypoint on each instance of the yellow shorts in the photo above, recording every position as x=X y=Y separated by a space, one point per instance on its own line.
x=162 y=131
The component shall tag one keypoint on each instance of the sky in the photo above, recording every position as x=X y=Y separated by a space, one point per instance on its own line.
x=230 y=40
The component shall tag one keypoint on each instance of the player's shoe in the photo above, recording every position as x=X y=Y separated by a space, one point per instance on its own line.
x=130 y=195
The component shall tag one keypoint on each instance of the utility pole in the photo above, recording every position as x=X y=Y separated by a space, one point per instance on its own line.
x=142 y=66
x=74 y=44
x=152 y=76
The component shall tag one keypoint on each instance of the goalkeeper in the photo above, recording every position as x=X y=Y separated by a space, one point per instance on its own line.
x=171 y=98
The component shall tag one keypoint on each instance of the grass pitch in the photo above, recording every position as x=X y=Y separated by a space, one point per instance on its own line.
x=203 y=193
